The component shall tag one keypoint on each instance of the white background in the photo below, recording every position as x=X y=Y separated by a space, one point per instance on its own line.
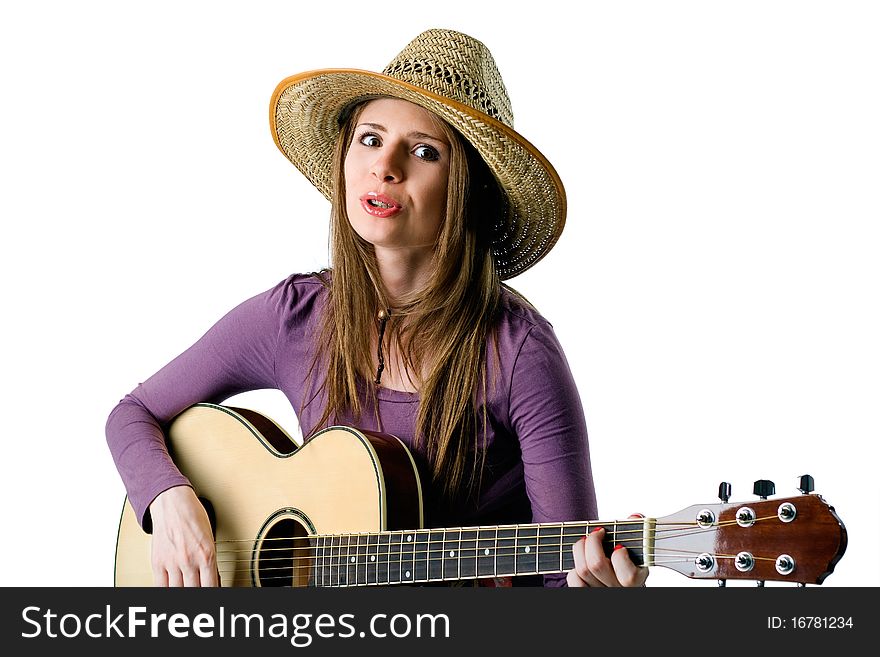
x=715 y=287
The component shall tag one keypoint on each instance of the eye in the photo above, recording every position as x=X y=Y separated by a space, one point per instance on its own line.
x=369 y=139
x=427 y=153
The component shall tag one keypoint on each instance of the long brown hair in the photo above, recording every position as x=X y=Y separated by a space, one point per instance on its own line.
x=444 y=329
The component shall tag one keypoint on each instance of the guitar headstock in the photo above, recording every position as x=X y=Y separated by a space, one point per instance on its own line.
x=793 y=539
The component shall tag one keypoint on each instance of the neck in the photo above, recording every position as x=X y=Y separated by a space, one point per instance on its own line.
x=425 y=555
x=404 y=271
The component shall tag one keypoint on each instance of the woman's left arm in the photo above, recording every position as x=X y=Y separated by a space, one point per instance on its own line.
x=548 y=417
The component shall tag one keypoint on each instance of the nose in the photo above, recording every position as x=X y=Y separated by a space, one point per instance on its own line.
x=386 y=166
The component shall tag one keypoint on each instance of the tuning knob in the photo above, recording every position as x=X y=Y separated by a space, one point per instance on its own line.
x=724 y=491
x=806 y=486
x=764 y=488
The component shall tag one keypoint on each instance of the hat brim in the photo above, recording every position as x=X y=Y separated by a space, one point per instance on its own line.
x=304 y=116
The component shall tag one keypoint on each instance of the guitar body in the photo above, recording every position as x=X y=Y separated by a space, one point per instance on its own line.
x=265 y=493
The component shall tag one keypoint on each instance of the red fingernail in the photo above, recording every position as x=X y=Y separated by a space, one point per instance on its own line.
x=637 y=515
x=618 y=547
x=597 y=529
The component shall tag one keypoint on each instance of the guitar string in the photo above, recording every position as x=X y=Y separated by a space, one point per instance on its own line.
x=623 y=527
x=385 y=571
x=423 y=537
x=343 y=560
x=385 y=575
x=288 y=570
x=550 y=549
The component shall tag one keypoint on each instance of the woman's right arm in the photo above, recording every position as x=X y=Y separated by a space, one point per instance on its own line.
x=183 y=552
x=235 y=355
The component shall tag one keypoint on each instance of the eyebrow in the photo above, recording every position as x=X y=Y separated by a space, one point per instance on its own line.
x=414 y=134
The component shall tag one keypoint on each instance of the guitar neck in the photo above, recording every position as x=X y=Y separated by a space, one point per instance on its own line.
x=434 y=555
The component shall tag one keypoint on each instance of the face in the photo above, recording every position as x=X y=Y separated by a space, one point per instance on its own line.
x=396 y=172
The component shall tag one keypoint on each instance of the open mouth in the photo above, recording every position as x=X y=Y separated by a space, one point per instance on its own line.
x=379 y=205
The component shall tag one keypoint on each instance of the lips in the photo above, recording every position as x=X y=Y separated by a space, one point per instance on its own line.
x=379 y=205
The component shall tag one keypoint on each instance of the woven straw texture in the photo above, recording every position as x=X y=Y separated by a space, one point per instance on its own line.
x=455 y=77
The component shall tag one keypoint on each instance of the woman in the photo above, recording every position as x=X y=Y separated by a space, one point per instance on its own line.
x=435 y=200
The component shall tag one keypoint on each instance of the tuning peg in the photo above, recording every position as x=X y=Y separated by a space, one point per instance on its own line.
x=724 y=491
x=807 y=484
x=764 y=488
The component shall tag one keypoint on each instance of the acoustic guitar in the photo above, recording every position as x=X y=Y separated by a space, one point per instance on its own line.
x=345 y=509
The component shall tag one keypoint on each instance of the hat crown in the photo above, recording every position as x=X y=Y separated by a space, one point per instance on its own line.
x=456 y=66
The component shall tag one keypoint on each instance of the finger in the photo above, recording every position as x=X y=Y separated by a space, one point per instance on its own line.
x=160 y=577
x=597 y=563
x=191 y=576
x=573 y=580
x=209 y=576
x=175 y=577
x=626 y=572
x=580 y=575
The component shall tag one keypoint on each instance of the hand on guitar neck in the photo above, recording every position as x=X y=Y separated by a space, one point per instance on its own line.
x=593 y=568
x=183 y=551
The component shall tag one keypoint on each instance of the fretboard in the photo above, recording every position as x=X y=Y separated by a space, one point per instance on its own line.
x=434 y=555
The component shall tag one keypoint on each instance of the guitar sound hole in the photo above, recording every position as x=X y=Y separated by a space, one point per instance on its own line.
x=284 y=555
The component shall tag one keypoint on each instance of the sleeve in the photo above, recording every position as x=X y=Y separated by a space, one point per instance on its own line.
x=547 y=415
x=235 y=355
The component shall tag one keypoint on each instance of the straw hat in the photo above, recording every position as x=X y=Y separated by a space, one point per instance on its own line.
x=454 y=76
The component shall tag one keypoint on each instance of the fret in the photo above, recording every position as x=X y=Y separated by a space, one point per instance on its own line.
x=319 y=560
x=549 y=548
x=407 y=557
x=506 y=551
x=395 y=557
x=347 y=572
x=571 y=534
x=421 y=556
x=371 y=565
x=631 y=536
x=562 y=545
x=383 y=558
x=467 y=567
x=361 y=568
x=331 y=581
x=487 y=550
x=354 y=559
x=312 y=560
x=328 y=557
x=526 y=549
x=334 y=561
x=435 y=554
x=325 y=549
x=452 y=554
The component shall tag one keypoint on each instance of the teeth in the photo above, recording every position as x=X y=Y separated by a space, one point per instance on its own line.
x=378 y=204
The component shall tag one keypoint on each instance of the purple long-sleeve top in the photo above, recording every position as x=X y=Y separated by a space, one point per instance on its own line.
x=537 y=465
